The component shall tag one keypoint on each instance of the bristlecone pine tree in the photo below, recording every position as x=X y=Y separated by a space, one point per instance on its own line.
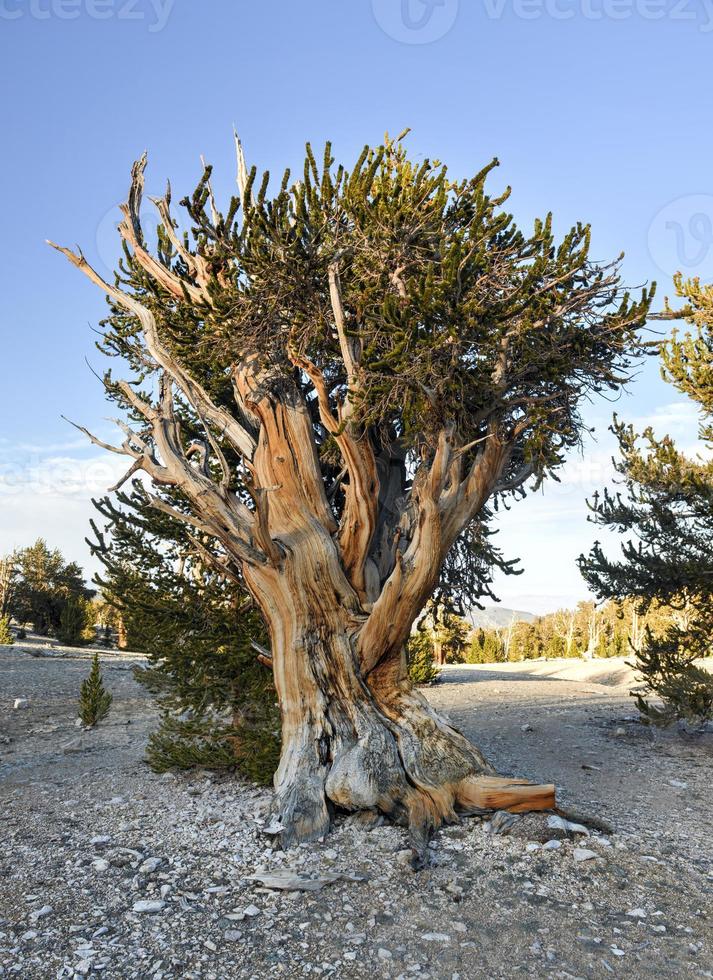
x=341 y=379
x=667 y=505
x=94 y=699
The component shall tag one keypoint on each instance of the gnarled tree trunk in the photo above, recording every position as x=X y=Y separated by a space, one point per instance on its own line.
x=355 y=733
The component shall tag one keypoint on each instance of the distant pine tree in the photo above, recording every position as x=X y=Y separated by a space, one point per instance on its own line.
x=667 y=505
x=421 y=658
x=6 y=637
x=72 y=621
x=94 y=699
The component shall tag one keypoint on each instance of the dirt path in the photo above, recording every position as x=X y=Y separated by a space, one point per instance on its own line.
x=88 y=834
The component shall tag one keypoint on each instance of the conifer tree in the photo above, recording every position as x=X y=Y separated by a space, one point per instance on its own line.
x=43 y=584
x=420 y=656
x=94 y=699
x=340 y=379
x=72 y=621
x=6 y=636
x=208 y=664
x=666 y=505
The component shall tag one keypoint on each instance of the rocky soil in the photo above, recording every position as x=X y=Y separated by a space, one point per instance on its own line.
x=107 y=869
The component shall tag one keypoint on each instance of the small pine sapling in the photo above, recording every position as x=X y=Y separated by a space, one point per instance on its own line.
x=94 y=699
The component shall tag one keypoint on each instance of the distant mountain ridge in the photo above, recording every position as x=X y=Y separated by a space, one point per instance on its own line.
x=497 y=617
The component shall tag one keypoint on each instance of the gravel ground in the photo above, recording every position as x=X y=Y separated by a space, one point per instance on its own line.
x=107 y=869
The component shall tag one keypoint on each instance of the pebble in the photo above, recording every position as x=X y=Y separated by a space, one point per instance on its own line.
x=582 y=854
x=435 y=937
x=41 y=913
x=20 y=703
x=149 y=905
x=552 y=845
x=100 y=864
x=251 y=910
x=636 y=913
x=150 y=865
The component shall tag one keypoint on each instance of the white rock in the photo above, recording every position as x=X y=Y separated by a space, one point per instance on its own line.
x=616 y=951
x=637 y=913
x=582 y=854
x=149 y=865
x=149 y=905
x=532 y=846
x=559 y=823
x=101 y=839
x=678 y=783
x=552 y=845
x=383 y=954
x=20 y=703
x=41 y=913
x=251 y=910
x=435 y=937
x=100 y=864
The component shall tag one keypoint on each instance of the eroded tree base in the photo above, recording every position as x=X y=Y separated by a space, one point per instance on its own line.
x=401 y=760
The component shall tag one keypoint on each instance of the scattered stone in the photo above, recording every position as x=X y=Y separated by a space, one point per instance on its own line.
x=559 y=823
x=435 y=937
x=251 y=911
x=582 y=854
x=150 y=865
x=636 y=913
x=502 y=822
x=41 y=913
x=20 y=704
x=149 y=905
x=552 y=845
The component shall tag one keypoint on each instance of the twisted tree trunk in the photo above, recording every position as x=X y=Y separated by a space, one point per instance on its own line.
x=355 y=734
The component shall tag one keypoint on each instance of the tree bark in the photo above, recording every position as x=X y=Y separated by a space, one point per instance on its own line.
x=355 y=734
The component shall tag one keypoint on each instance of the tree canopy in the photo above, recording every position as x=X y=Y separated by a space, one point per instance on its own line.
x=391 y=299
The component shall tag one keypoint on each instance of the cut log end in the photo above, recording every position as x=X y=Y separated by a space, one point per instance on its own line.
x=482 y=793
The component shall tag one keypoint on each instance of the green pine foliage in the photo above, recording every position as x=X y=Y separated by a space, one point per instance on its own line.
x=43 y=584
x=464 y=322
x=72 y=622
x=6 y=635
x=188 y=743
x=199 y=632
x=420 y=658
x=666 y=506
x=94 y=699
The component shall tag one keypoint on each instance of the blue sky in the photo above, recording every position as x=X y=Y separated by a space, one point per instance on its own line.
x=599 y=110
